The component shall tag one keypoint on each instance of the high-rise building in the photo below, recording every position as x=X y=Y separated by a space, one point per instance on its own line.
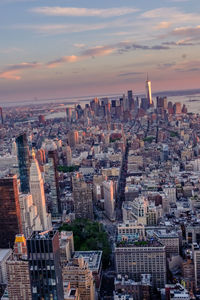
x=23 y=162
x=19 y=285
x=69 y=114
x=142 y=257
x=196 y=258
x=44 y=265
x=4 y=256
x=67 y=155
x=71 y=293
x=109 y=201
x=82 y=193
x=10 y=218
x=148 y=91
x=29 y=215
x=66 y=246
x=1 y=115
x=77 y=272
x=51 y=178
x=37 y=192
x=161 y=102
x=73 y=138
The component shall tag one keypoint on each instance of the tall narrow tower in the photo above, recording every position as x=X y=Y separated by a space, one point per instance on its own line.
x=148 y=91
x=10 y=218
x=23 y=162
x=37 y=191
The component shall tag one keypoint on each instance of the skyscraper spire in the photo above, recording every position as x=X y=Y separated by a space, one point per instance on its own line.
x=148 y=90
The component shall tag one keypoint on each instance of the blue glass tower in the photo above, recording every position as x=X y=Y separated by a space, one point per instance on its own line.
x=23 y=162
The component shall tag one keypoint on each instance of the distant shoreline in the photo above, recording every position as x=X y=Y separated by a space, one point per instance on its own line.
x=76 y=100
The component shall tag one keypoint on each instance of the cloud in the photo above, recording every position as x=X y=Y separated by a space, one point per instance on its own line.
x=64 y=59
x=163 y=25
x=98 y=51
x=190 y=32
x=10 y=75
x=84 y=12
x=79 y=45
x=13 y=72
x=54 y=29
x=11 y=50
x=130 y=74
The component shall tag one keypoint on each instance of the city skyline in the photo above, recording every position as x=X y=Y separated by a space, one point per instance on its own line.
x=78 y=48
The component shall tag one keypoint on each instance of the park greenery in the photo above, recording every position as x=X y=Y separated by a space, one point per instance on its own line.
x=149 y=139
x=90 y=235
x=66 y=169
x=174 y=134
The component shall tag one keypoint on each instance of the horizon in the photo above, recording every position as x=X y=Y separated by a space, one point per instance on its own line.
x=97 y=48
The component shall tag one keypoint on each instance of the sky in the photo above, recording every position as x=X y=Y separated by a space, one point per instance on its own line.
x=70 y=48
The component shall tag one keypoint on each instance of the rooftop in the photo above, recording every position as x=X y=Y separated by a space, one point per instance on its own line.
x=4 y=253
x=93 y=258
x=43 y=235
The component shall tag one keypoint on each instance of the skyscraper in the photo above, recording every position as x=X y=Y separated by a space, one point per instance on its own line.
x=19 y=286
x=23 y=162
x=1 y=115
x=82 y=198
x=76 y=272
x=51 y=178
x=10 y=218
x=148 y=91
x=109 y=202
x=44 y=265
x=73 y=138
x=69 y=114
x=37 y=191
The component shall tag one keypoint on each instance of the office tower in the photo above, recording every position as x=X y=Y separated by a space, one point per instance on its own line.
x=4 y=256
x=19 y=286
x=1 y=115
x=130 y=100
x=196 y=259
x=51 y=178
x=67 y=155
x=29 y=215
x=141 y=257
x=10 y=218
x=40 y=156
x=23 y=162
x=148 y=91
x=69 y=114
x=109 y=202
x=161 y=102
x=37 y=192
x=44 y=265
x=144 y=103
x=41 y=119
x=71 y=293
x=66 y=246
x=82 y=193
x=76 y=272
x=177 y=108
x=73 y=138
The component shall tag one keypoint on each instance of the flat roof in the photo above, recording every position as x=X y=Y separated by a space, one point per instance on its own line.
x=93 y=258
x=4 y=252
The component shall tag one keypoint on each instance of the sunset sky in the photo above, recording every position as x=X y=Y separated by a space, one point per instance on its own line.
x=84 y=47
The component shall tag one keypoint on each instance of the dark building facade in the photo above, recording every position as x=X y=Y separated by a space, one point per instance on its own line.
x=44 y=265
x=10 y=218
x=1 y=115
x=23 y=162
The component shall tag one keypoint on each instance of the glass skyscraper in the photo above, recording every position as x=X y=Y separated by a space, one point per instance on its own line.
x=44 y=265
x=23 y=162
